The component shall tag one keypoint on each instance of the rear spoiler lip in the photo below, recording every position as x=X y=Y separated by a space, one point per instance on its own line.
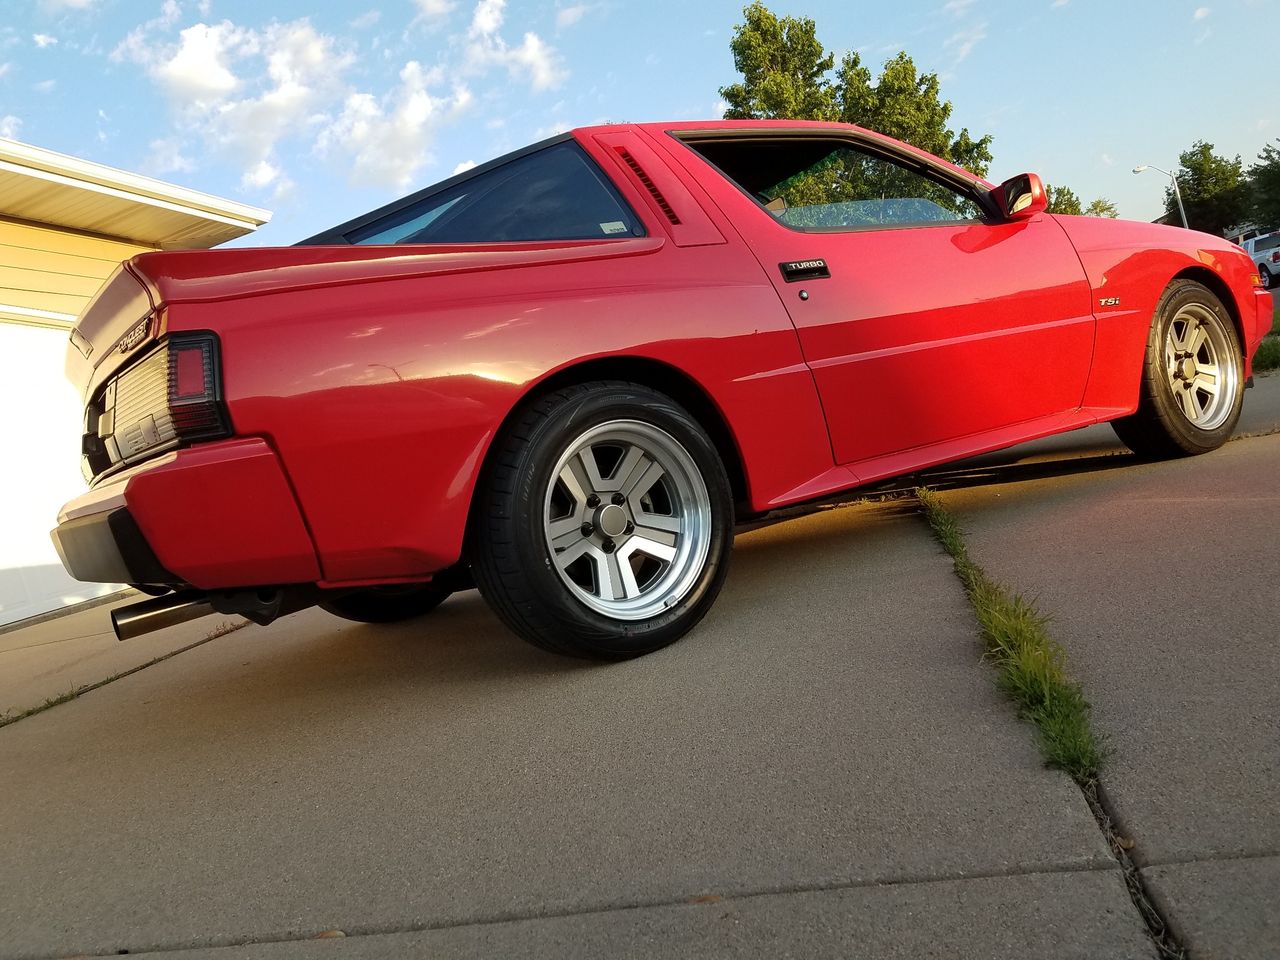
x=112 y=317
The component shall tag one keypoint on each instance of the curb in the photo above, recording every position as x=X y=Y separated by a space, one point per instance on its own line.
x=66 y=611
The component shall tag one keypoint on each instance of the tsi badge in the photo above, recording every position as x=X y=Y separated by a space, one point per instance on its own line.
x=1109 y=302
x=135 y=336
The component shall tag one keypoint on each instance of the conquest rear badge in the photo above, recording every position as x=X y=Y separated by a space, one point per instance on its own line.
x=135 y=336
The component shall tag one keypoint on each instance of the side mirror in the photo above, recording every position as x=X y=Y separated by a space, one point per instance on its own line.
x=1021 y=197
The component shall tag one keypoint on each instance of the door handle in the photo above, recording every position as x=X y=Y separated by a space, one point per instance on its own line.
x=796 y=270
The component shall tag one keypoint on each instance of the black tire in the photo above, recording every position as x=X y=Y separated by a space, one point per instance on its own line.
x=1161 y=427
x=508 y=542
x=389 y=604
x=1266 y=276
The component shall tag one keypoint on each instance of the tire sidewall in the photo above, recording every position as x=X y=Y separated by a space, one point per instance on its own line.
x=1185 y=434
x=535 y=464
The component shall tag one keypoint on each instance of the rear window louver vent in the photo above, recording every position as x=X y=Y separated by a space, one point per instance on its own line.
x=649 y=185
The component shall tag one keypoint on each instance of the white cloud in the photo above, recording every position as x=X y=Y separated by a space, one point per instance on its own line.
x=532 y=60
x=487 y=18
x=1106 y=160
x=246 y=94
x=43 y=40
x=1058 y=3
x=57 y=6
x=539 y=61
x=388 y=139
x=240 y=90
x=957 y=8
x=261 y=174
x=5 y=68
x=365 y=20
x=463 y=167
x=961 y=43
x=568 y=16
x=10 y=126
x=435 y=9
x=1201 y=13
x=44 y=86
x=199 y=71
x=166 y=156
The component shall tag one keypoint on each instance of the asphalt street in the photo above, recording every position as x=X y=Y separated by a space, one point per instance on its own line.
x=823 y=769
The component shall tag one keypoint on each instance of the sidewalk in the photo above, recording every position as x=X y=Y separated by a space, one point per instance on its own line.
x=823 y=768
x=52 y=658
x=1161 y=580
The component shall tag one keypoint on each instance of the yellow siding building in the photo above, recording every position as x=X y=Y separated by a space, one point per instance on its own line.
x=65 y=224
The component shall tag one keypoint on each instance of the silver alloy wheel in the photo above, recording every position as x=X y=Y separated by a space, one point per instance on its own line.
x=627 y=519
x=1201 y=367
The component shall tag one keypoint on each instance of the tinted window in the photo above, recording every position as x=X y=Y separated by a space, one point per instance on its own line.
x=1266 y=243
x=554 y=194
x=812 y=184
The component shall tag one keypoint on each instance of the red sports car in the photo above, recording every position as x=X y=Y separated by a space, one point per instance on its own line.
x=564 y=375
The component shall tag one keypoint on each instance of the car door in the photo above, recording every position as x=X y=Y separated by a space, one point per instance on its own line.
x=923 y=318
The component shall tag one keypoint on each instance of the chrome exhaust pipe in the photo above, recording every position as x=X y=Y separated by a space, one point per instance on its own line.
x=158 y=613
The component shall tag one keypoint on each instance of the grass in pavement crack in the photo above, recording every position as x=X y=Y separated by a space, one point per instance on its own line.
x=1030 y=665
x=221 y=630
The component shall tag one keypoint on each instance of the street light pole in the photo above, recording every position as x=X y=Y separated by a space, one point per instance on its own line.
x=1176 y=192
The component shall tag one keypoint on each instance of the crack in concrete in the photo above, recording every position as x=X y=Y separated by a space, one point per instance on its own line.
x=692 y=901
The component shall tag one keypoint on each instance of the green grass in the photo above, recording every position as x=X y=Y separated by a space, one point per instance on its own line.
x=1275 y=323
x=1268 y=355
x=1030 y=665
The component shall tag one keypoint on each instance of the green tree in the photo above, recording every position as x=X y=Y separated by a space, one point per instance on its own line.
x=783 y=67
x=1102 y=207
x=1063 y=200
x=1264 y=181
x=1214 y=190
x=786 y=73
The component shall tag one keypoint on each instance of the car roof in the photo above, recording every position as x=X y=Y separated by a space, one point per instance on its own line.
x=711 y=127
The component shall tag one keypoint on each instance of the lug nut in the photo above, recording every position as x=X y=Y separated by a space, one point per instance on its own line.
x=609 y=546
x=631 y=527
x=593 y=501
x=619 y=499
x=588 y=529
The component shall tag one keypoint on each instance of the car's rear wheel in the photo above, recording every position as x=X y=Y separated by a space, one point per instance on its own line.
x=389 y=604
x=603 y=524
x=1192 y=384
x=1265 y=274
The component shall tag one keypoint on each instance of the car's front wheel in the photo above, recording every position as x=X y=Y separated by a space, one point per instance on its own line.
x=1192 y=385
x=603 y=524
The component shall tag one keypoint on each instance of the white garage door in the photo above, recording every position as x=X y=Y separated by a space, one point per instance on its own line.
x=39 y=471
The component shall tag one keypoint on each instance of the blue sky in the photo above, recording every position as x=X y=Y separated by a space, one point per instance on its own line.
x=321 y=111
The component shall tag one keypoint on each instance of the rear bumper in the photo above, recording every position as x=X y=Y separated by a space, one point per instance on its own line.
x=215 y=516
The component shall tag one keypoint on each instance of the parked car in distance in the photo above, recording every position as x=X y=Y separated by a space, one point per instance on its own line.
x=565 y=374
x=1265 y=253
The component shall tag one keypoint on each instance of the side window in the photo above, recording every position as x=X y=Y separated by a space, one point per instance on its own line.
x=554 y=194
x=823 y=185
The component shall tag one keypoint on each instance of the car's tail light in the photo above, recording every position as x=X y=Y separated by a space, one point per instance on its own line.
x=170 y=396
x=194 y=404
x=1275 y=256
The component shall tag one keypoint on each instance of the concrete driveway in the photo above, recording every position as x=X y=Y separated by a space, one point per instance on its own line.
x=823 y=769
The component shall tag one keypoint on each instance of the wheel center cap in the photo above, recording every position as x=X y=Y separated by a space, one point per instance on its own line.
x=611 y=520
x=1187 y=369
